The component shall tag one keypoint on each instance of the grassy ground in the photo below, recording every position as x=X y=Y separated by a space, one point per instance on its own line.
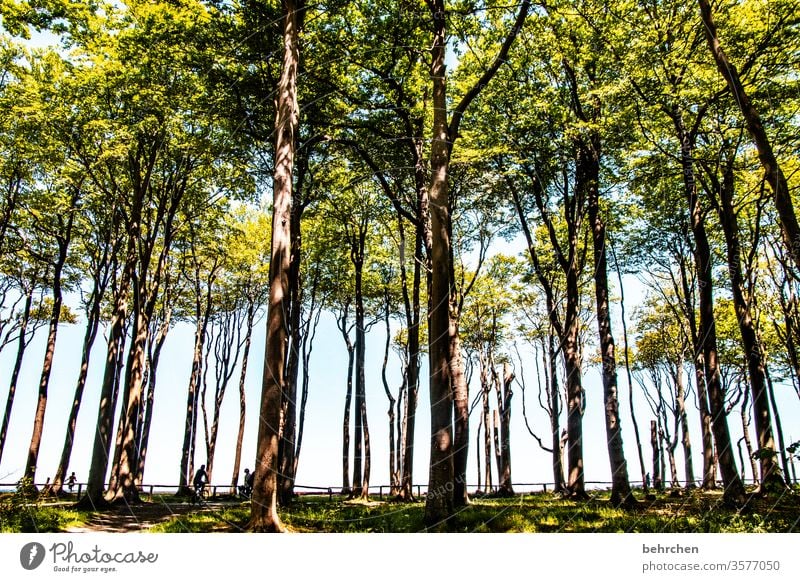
x=698 y=512
x=540 y=512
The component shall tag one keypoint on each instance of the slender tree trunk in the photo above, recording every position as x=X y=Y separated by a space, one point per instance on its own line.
x=504 y=478
x=237 y=457
x=770 y=471
x=47 y=365
x=734 y=489
x=628 y=372
x=12 y=387
x=393 y=484
x=412 y=368
x=264 y=512
x=144 y=432
x=778 y=426
x=288 y=442
x=772 y=170
x=346 y=490
x=360 y=388
x=746 y=436
x=439 y=502
x=620 y=486
x=461 y=421
x=555 y=413
x=680 y=401
x=487 y=434
x=105 y=415
x=656 y=448
x=88 y=341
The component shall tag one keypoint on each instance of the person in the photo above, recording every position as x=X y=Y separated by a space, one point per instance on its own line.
x=247 y=488
x=71 y=481
x=200 y=480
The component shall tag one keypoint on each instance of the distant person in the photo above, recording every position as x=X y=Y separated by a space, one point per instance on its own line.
x=71 y=481
x=247 y=488
x=200 y=479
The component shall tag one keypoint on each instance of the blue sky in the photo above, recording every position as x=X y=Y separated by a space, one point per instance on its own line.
x=320 y=463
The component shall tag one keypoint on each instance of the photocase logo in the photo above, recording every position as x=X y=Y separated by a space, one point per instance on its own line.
x=31 y=555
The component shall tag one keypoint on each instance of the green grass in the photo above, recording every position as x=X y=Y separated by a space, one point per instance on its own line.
x=20 y=513
x=697 y=512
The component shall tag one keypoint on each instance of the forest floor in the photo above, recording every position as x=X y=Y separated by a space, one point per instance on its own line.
x=676 y=512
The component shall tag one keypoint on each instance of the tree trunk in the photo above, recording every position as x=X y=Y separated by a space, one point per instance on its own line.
x=264 y=512
x=88 y=341
x=237 y=457
x=360 y=388
x=155 y=346
x=555 y=413
x=346 y=490
x=47 y=365
x=686 y=442
x=658 y=484
x=504 y=478
x=628 y=371
x=487 y=434
x=12 y=387
x=393 y=484
x=288 y=442
x=756 y=367
x=734 y=489
x=772 y=170
x=439 y=502
x=588 y=160
x=105 y=415
x=461 y=421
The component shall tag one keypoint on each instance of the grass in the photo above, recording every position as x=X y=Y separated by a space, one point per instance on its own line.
x=20 y=513
x=698 y=512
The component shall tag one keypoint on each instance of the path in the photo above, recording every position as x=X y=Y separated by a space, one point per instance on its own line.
x=139 y=518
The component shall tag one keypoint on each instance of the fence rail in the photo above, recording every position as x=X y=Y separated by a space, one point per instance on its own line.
x=331 y=492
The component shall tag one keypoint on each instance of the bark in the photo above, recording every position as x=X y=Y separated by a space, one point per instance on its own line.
x=772 y=169
x=487 y=438
x=504 y=477
x=288 y=442
x=620 y=486
x=658 y=483
x=756 y=367
x=734 y=489
x=342 y=322
x=155 y=345
x=237 y=457
x=360 y=489
x=443 y=327
x=22 y=343
x=105 y=415
x=202 y=314
x=92 y=326
x=439 y=502
x=555 y=413
x=460 y=421
x=686 y=442
x=63 y=240
x=394 y=486
x=629 y=378
x=264 y=512
x=746 y=437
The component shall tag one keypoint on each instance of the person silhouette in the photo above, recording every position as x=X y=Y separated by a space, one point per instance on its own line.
x=200 y=480
x=71 y=481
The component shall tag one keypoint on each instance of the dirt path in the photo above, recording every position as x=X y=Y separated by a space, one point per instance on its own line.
x=139 y=518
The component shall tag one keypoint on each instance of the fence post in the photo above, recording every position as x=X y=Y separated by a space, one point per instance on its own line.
x=330 y=494
x=544 y=487
x=80 y=488
x=419 y=491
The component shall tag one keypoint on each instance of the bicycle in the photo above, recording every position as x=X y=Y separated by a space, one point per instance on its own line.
x=199 y=494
